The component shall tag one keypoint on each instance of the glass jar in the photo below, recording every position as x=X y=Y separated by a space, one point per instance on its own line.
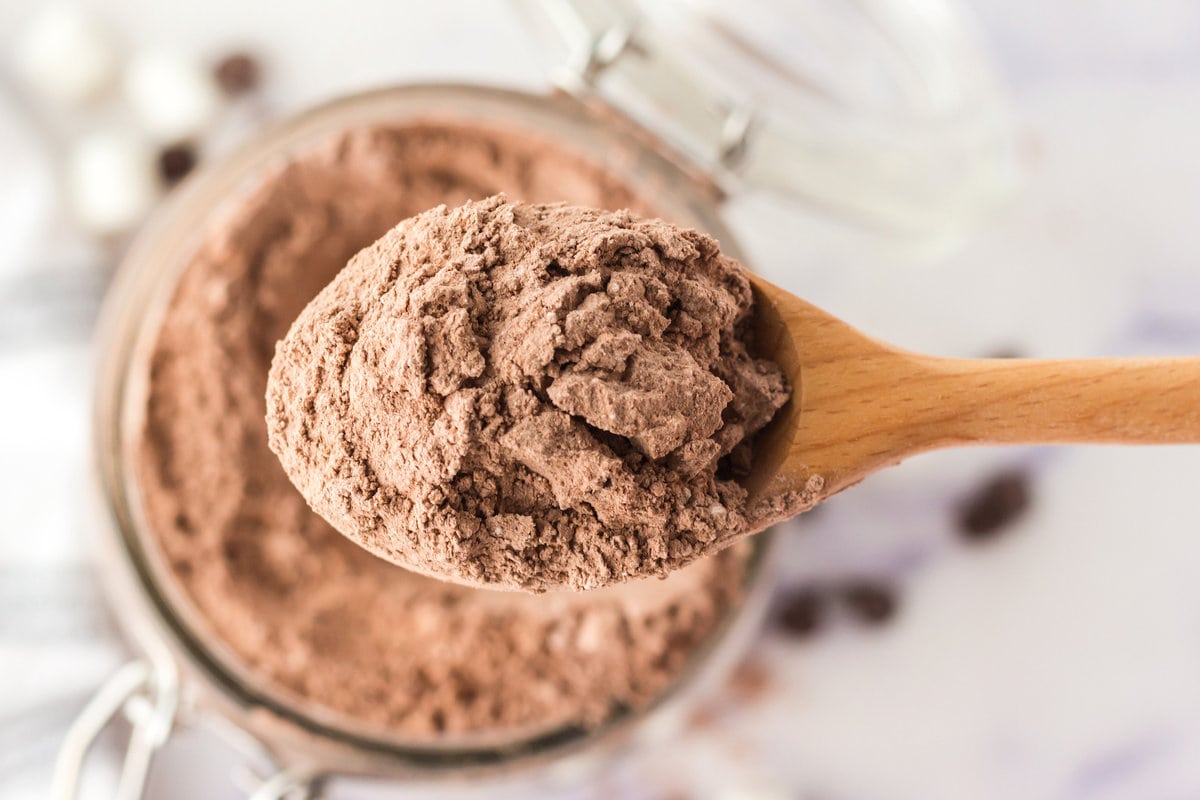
x=709 y=147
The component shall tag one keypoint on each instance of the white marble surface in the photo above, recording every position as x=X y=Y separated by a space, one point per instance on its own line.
x=1061 y=661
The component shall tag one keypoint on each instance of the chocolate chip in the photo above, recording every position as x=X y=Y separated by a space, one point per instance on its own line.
x=237 y=73
x=801 y=612
x=176 y=161
x=872 y=602
x=994 y=506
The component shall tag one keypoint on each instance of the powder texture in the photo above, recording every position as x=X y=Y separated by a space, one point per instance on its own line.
x=526 y=396
x=309 y=615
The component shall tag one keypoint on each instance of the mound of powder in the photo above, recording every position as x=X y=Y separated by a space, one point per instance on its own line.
x=276 y=591
x=526 y=396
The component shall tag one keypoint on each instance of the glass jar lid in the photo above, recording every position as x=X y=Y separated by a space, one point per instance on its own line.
x=885 y=112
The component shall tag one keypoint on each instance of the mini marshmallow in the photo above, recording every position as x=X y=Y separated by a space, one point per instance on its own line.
x=174 y=98
x=66 y=55
x=110 y=181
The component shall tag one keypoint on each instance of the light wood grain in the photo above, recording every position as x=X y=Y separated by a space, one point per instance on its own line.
x=859 y=404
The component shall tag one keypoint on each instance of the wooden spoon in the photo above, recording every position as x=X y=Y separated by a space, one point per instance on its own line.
x=859 y=404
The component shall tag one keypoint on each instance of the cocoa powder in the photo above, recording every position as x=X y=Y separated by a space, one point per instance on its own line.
x=310 y=615
x=526 y=396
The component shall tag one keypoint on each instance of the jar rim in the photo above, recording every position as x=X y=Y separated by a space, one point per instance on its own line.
x=153 y=611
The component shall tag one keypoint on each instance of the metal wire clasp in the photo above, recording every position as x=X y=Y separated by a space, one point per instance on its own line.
x=148 y=697
x=610 y=39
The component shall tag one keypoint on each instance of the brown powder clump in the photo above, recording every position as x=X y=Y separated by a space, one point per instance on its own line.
x=526 y=396
x=268 y=584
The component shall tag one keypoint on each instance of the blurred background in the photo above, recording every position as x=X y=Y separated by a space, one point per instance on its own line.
x=989 y=624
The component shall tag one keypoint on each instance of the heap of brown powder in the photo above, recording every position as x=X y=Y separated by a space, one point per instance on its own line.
x=309 y=614
x=526 y=396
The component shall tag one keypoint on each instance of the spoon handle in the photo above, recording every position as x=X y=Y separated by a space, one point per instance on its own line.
x=1018 y=401
x=859 y=404
x=880 y=405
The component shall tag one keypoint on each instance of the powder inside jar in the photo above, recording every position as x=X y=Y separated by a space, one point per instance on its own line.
x=307 y=612
x=526 y=396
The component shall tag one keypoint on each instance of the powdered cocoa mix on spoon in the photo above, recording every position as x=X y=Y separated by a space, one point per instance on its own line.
x=526 y=396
